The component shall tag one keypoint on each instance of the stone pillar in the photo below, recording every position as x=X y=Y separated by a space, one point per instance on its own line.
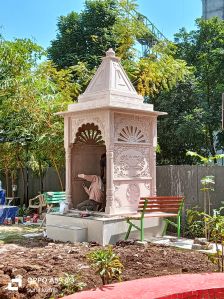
x=109 y=181
x=68 y=160
x=109 y=141
x=153 y=158
x=68 y=175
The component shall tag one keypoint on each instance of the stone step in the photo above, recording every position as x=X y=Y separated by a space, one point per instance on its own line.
x=67 y=233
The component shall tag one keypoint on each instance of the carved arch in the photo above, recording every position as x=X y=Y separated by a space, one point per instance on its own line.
x=82 y=119
x=89 y=133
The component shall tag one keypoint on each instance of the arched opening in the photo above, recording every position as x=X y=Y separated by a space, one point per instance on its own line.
x=88 y=154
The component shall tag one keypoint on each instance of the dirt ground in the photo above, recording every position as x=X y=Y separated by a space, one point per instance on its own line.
x=40 y=263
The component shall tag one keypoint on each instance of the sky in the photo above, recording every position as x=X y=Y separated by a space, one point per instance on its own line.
x=37 y=19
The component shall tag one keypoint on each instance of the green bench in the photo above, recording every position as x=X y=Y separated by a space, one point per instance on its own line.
x=157 y=206
x=53 y=199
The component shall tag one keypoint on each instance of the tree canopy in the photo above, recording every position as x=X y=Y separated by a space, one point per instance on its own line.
x=84 y=38
x=30 y=94
x=194 y=108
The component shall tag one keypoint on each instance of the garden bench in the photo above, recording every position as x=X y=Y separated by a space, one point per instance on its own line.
x=54 y=198
x=157 y=206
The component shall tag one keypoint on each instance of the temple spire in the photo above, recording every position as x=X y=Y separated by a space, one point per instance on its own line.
x=110 y=78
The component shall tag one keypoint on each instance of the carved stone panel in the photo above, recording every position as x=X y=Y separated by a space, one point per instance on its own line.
x=133 y=192
x=132 y=128
x=128 y=193
x=131 y=134
x=131 y=161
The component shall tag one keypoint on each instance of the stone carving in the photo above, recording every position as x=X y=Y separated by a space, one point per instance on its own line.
x=147 y=185
x=133 y=128
x=133 y=193
x=89 y=134
x=131 y=134
x=121 y=80
x=96 y=119
x=116 y=197
x=131 y=161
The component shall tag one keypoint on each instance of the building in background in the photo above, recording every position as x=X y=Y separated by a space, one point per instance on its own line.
x=212 y=8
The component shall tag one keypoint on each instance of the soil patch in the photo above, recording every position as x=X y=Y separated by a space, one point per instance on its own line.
x=40 y=263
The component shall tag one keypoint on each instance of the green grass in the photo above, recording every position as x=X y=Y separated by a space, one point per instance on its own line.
x=14 y=233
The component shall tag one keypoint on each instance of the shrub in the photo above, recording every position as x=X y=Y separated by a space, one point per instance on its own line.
x=70 y=284
x=195 y=224
x=107 y=264
x=215 y=224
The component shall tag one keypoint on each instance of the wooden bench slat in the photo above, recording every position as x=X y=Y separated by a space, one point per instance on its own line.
x=157 y=198
x=162 y=197
x=151 y=205
x=160 y=214
x=169 y=207
x=159 y=208
x=160 y=211
x=63 y=196
x=153 y=214
x=160 y=201
x=55 y=201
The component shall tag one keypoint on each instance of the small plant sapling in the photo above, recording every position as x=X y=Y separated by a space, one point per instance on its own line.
x=106 y=263
x=207 y=181
x=195 y=223
x=207 y=186
x=70 y=284
x=215 y=224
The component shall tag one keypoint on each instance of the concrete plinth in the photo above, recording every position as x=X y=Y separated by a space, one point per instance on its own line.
x=100 y=229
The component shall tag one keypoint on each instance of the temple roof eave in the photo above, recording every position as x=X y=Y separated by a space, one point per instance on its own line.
x=115 y=109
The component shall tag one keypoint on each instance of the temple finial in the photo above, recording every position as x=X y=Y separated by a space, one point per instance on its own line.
x=110 y=53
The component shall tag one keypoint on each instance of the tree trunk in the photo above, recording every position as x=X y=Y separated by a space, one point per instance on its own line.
x=58 y=173
x=24 y=184
x=7 y=181
x=209 y=204
x=41 y=177
x=211 y=141
x=217 y=253
x=210 y=131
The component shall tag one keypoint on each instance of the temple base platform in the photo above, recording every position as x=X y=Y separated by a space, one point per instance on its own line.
x=97 y=227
